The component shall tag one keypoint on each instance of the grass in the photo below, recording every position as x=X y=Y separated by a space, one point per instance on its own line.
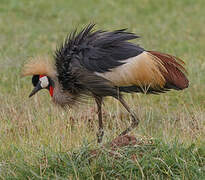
x=41 y=141
x=151 y=161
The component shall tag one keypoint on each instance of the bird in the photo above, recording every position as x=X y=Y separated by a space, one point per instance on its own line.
x=99 y=63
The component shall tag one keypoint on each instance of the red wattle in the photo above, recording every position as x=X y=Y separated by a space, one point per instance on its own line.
x=51 y=91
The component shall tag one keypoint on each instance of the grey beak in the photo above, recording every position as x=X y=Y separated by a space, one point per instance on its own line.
x=36 y=89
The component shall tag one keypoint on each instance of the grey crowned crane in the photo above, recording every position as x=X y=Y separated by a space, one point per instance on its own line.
x=99 y=64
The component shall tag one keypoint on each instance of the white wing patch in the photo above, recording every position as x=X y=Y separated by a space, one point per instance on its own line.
x=141 y=70
x=44 y=82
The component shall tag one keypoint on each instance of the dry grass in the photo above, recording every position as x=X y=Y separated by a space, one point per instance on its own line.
x=36 y=121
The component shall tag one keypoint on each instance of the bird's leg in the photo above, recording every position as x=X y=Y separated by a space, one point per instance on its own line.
x=135 y=119
x=100 y=130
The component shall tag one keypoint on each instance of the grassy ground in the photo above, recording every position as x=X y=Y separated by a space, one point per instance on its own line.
x=41 y=141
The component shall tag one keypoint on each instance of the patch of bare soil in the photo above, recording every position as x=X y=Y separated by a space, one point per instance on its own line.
x=119 y=142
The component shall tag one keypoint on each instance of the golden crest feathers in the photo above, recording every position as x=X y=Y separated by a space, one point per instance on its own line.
x=39 y=66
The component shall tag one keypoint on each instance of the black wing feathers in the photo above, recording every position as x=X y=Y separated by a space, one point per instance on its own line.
x=98 y=51
x=108 y=49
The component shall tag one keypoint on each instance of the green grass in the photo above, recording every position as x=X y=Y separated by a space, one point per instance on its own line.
x=151 y=161
x=39 y=140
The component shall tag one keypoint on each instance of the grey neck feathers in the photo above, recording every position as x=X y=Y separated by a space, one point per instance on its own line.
x=61 y=97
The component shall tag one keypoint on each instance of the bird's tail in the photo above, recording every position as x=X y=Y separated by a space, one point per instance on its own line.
x=172 y=70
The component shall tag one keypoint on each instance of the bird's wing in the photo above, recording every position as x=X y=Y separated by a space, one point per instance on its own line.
x=93 y=51
x=111 y=56
x=149 y=70
x=97 y=51
x=102 y=51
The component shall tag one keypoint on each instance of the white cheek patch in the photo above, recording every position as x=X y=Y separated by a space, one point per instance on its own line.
x=44 y=82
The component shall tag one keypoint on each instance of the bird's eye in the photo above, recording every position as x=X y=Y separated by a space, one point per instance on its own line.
x=44 y=82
